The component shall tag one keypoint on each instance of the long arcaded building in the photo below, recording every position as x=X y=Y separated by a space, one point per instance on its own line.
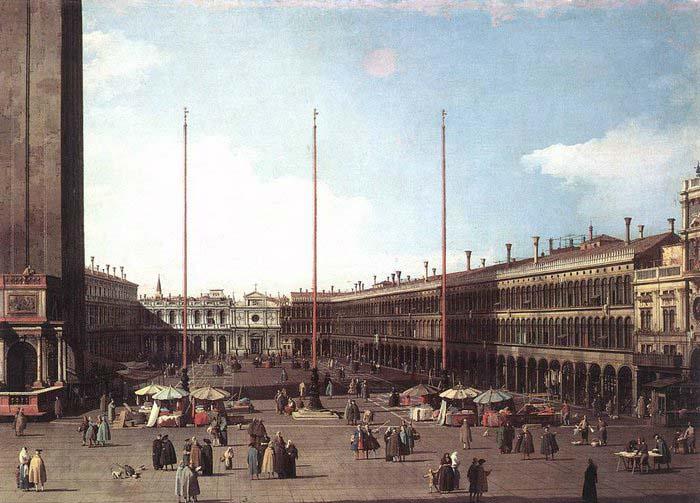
x=566 y=321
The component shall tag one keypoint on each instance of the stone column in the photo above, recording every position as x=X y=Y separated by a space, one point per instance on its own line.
x=3 y=359
x=39 y=363
x=59 y=358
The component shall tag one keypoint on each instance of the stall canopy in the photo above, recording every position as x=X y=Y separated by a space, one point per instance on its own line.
x=459 y=392
x=420 y=390
x=151 y=389
x=170 y=393
x=210 y=393
x=493 y=396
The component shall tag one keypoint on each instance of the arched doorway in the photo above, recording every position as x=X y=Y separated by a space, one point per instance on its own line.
x=593 y=383
x=624 y=389
x=197 y=346
x=609 y=384
x=210 y=345
x=306 y=347
x=567 y=381
x=222 y=344
x=695 y=366
x=21 y=366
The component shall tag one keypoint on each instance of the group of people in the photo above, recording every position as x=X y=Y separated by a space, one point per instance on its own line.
x=163 y=453
x=285 y=404
x=359 y=388
x=95 y=433
x=685 y=442
x=273 y=457
x=31 y=471
x=399 y=442
x=218 y=430
x=640 y=447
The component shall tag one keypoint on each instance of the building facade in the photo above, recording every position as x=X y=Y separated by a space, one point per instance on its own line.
x=567 y=322
x=217 y=324
x=114 y=315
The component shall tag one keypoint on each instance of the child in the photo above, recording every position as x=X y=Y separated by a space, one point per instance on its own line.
x=431 y=479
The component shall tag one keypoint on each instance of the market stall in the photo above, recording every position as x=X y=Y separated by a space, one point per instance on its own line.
x=420 y=394
x=537 y=413
x=205 y=402
x=497 y=406
x=168 y=408
x=460 y=405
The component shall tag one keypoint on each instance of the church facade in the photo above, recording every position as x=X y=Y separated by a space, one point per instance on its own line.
x=217 y=324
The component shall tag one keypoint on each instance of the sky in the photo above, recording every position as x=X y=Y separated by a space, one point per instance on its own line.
x=560 y=113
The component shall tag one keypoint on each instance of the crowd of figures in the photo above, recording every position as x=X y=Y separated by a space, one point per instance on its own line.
x=399 y=442
x=270 y=457
x=95 y=433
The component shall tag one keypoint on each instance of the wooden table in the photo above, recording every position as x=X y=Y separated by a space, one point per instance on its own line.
x=635 y=458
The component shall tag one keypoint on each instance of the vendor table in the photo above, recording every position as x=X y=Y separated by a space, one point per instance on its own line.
x=421 y=413
x=169 y=420
x=456 y=418
x=632 y=460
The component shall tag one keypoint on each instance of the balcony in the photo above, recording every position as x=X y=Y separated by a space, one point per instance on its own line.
x=655 y=273
x=657 y=360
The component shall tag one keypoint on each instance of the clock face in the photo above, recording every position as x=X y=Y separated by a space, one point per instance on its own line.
x=696 y=308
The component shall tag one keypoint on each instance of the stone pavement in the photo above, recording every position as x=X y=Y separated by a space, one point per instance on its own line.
x=327 y=469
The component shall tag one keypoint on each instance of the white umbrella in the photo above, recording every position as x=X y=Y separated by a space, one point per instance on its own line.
x=151 y=389
x=459 y=392
x=170 y=393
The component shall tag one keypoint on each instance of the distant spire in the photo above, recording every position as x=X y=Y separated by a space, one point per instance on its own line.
x=159 y=290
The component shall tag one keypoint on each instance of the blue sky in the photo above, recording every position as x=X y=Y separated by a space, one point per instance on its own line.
x=557 y=116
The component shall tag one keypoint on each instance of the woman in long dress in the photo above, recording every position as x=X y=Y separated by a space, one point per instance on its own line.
x=268 y=462
x=253 y=469
x=292 y=455
x=103 y=433
x=445 y=475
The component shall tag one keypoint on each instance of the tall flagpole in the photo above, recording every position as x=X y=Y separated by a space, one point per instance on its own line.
x=314 y=323
x=443 y=296
x=184 y=254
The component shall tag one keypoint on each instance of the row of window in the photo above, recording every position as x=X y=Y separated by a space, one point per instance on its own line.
x=668 y=319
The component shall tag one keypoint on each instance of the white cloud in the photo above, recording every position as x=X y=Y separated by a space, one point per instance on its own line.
x=635 y=167
x=114 y=64
x=380 y=62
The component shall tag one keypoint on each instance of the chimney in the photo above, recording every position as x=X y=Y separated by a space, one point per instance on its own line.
x=434 y=271
x=107 y=269
x=121 y=271
x=551 y=245
x=672 y=225
x=425 y=264
x=398 y=276
x=92 y=263
x=590 y=232
x=375 y=279
x=571 y=242
x=641 y=231
x=508 y=247
x=628 y=221
x=393 y=278
x=468 y=253
x=483 y=262
x=535 y=247
x=408 y=278
x=332 y=288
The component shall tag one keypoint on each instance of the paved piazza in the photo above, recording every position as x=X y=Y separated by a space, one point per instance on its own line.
x=326 y=468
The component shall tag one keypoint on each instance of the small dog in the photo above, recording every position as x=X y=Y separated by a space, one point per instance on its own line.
x=431 y=476
x=126 y=471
